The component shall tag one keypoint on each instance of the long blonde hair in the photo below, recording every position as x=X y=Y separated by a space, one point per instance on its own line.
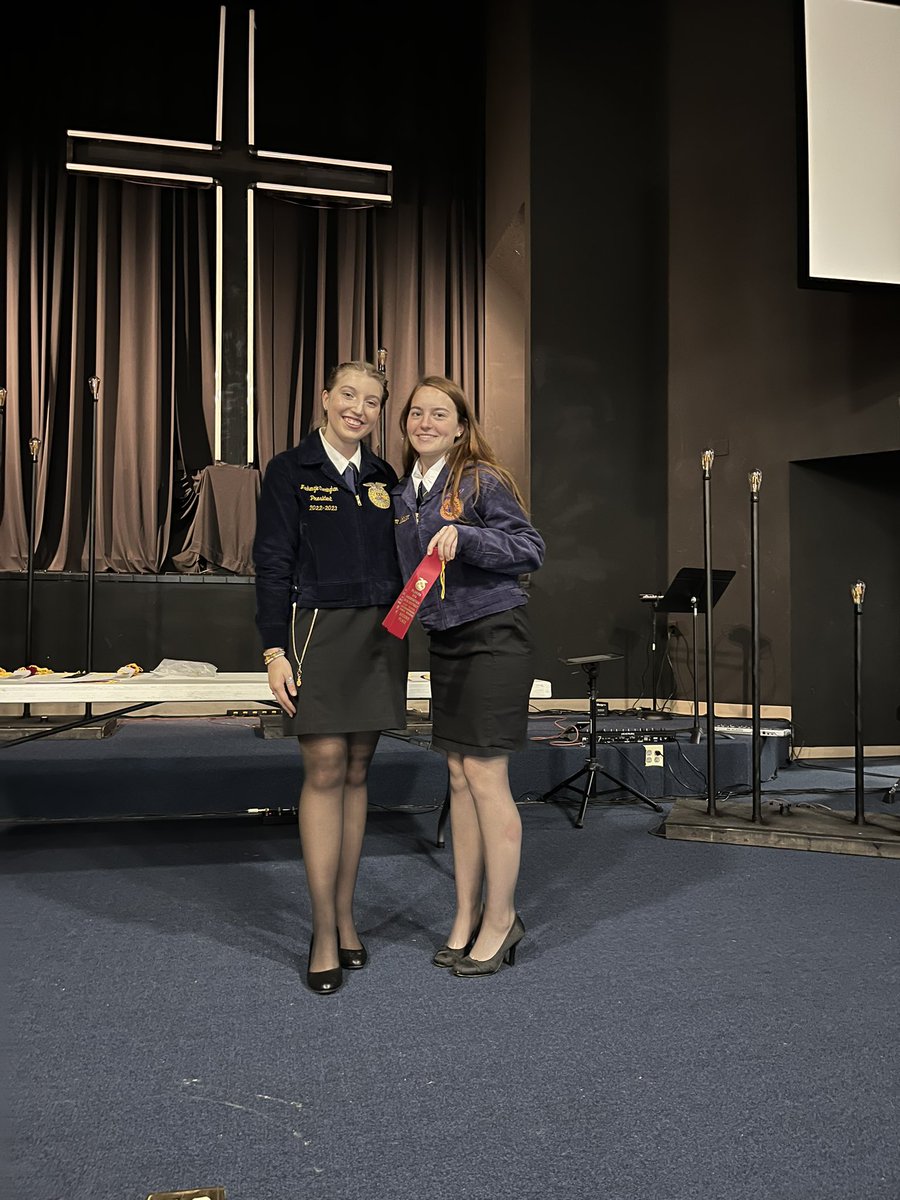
x=471 y=452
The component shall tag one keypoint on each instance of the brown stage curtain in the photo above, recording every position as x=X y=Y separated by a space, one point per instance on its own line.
x=338 y=285
x=109 y=280
x=115 y=280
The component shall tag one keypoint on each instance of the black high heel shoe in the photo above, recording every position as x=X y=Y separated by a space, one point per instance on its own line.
x=352 y=960
x=489 y=966
x=449 y=956
x=323 y=983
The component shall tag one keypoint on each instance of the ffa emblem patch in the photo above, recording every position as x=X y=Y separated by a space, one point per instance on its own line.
x=378 y=495
x=451 y=509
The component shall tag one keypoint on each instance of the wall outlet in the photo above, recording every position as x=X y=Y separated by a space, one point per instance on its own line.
x=653 y=756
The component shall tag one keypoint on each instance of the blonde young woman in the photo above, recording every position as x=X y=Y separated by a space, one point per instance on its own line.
x=456 y=500
x=326 y=575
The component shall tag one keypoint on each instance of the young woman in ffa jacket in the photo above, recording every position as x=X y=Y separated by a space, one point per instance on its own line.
x=456 y=501
x=326 y=575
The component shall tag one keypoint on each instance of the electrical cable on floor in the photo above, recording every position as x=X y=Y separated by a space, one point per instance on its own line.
x=701 y=775
x=815 y=765
x=407 y=808
x=809 y=791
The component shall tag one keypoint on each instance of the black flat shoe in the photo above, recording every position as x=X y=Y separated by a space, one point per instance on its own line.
x=323 y=983
x=449 y=956
x=467 y=966
x=352 y=960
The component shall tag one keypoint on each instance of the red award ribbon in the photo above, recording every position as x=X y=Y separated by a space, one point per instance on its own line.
x=417 y=587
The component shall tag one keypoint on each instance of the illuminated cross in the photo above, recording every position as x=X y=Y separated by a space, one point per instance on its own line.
x=236 y=169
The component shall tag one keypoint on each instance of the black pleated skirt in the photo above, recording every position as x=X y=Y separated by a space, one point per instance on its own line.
x=481 y=677
x=354 y=672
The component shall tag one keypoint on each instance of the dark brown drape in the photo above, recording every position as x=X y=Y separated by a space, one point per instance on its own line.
x=111 y=280
x=114 y=280
x=338 y=285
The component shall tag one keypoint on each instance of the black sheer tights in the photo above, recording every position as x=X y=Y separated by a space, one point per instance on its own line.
x=333 y=804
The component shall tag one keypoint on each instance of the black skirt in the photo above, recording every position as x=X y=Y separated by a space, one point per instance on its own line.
x=354 y=672
x=481 y=677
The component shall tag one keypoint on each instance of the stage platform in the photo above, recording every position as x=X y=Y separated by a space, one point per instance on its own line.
x=208 y=766
x=786 y=826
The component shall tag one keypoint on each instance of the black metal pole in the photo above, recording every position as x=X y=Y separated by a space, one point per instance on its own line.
x=706 y=461
x=657 y=663
x=34 y=447
x=695 y=728
x=857 y=592
x=94 y=384
x=2 y=451
x=591 y=669
x=755 y=478
x=381 y=363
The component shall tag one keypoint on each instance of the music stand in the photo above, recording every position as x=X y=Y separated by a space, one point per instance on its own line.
x=592 y=768
x=687 y=594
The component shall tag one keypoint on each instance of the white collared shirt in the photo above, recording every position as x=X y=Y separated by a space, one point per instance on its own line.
x=337 y=458
x=430 y=476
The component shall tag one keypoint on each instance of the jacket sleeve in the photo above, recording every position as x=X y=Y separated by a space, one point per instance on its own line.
x=275 y=550
x=500 y=538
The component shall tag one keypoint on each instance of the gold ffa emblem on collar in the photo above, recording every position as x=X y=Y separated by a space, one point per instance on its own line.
x=378 y=495
x=452 y=509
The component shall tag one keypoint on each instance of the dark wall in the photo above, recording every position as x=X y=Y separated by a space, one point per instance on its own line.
x=598 y=334
x=845 y=526
x=187 y=617
x=758 y=366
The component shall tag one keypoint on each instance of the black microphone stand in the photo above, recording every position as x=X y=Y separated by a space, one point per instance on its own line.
x=857 y=592
x=34 y=447
x=706 y=461
x=381 y=363
x=755 y=478
x=695 y=660
x=655 y=712
x=2 y=450
x=94 y=384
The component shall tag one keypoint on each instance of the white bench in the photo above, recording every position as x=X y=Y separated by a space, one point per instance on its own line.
x=227 y=687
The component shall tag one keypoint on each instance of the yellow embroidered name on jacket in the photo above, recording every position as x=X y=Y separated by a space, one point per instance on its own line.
x=320 y=496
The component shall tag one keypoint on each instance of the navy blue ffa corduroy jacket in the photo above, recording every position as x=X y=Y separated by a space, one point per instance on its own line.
x=496 y=544
x=317 y=543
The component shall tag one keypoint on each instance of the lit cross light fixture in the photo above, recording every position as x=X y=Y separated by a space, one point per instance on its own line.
x=234 y=166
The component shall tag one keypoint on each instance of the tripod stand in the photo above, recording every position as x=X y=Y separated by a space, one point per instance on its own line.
x=592 y=767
